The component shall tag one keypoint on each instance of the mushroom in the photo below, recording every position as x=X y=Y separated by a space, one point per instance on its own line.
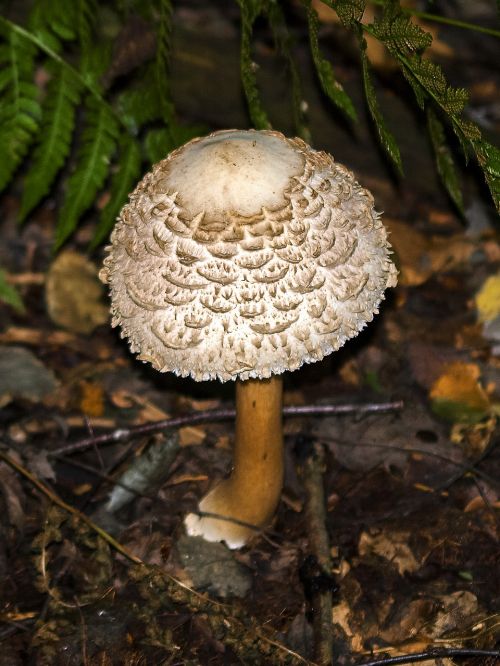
x=242 y=255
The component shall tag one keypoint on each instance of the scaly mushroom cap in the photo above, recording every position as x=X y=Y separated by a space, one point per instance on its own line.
x=245 y=254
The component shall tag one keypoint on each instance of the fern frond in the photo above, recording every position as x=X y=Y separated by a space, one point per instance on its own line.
x=86 y=14
x=489 y=158
x=398 y=33
x=58 y=120
x=444 y=159
x=97 y=146
x=9 y=294
x=331 y=87
x=283 y=41
x=163 y=48
x=250 y=10
x=20 y=109
x=431 y=77
x=141 y=103
x=386 y=138
x=53 y=22
x=122 y=182
x=157 y=144
x=350 y=12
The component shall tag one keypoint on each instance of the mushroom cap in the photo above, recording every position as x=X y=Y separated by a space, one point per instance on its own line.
x=245 y=254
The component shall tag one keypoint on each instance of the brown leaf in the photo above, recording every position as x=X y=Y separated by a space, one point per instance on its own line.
x=74 y=294
x=392 y=546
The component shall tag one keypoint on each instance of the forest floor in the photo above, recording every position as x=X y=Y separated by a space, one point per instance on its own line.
x=95 y=567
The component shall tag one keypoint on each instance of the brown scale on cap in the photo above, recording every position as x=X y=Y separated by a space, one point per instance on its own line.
x=242 y=255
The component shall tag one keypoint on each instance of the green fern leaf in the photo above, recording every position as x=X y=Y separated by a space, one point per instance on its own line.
x=444 y=159
x=431 y=77
x=122 y=182
x=386 y=138
x=350 y=12
x=98 y=143
x=141 y=104
x=397 y=31
x=421 y=95
x=20 y=110
x=53 y=21
x=329 y=83
x=283 y=41
x=489 y=158
x=163 y=61
x=63 y=94
x=250 y=10
x=86 y=14
x=157 y=144
x=9 y=294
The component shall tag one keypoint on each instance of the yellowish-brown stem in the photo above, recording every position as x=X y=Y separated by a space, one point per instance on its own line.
x=249 y=497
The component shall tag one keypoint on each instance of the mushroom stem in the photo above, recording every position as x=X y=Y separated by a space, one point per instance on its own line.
x=251 y=494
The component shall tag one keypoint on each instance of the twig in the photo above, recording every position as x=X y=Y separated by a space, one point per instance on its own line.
x=439 y=653
x=321 y=584
x=224 y=414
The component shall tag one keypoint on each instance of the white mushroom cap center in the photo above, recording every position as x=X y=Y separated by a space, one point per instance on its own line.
x=233 y=171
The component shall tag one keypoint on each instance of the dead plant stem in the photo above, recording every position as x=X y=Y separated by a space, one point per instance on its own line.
x=313 y=469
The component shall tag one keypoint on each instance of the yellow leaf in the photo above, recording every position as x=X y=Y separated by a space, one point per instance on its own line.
x=92 y=399
x=488 y=299
x=457 y=394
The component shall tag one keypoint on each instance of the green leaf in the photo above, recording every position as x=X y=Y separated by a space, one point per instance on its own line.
x=53 y=22
x=444 y=159
x=19 y=106
x=397 y=31
x=350 y=12
x=489 y=159
x=283 y=41
x=386 y=138
x=86 y=15
x=141 y=103
x=98 y=143
x=331 y=87
x=9 y=294
x=431 y=77
x=58 y=120
x=122 y=182
x=163 y=36
x=250 y=10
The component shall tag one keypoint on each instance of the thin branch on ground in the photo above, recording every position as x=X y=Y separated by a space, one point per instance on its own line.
x=439 y=653
x=223 y=414
x=321 y=585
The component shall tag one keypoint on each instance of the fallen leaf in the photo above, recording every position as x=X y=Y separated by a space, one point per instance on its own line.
x=392 y=546
x=23 y=376
x=488 y=299
x=187 y=478
x=474 y=438
x=92 y=398
x=457 y=395
x=74 y=294
x=191 y=436
x=419 y=255
x=13 y=496
x=478 y=503
x=458 y=608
